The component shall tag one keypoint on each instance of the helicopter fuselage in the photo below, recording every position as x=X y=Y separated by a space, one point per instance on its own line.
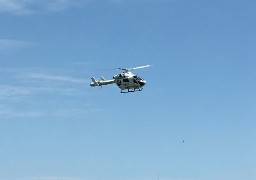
x=128 y=81
x=125 y=81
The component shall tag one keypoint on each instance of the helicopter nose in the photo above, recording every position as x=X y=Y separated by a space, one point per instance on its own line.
x=142 y=83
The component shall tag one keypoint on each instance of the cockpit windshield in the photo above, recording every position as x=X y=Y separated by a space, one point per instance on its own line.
x=138 y=78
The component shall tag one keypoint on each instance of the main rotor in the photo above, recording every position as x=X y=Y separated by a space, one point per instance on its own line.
x=133 y=68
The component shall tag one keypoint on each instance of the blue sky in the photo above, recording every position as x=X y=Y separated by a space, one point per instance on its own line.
x=201 y=89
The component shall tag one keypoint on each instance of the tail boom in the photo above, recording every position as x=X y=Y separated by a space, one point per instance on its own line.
x=101 y=82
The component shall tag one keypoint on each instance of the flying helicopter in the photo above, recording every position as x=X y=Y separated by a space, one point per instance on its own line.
x=126 y=81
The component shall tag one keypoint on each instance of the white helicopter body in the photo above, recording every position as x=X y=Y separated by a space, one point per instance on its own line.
x=125 y=81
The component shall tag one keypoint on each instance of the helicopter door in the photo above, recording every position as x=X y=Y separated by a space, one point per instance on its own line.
x=126 y=82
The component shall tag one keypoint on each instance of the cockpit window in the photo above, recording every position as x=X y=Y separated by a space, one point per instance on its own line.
x=126 y=80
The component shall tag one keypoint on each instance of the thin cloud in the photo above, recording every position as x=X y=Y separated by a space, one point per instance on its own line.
x=14 y=92
x=11 y=112
x=140 y=1
x=10 y=44
x=15 y=114
x=76 y=112
x=21 y=92
x=59 y=5
x=49 y=178
x=14 y=6
x=24 y=7
x=27 y=7
x=8 y=112
x=17 y=84
x=54 y=78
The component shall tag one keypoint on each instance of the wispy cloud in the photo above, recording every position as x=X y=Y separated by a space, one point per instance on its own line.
x=4 y=112
x=20 y=83
x=54 y=78
x=14 y=6
x=59 y=5
x=8 y=91
x=56 y=178
x=10 y=112
x=53 y=89
x=13 y=92
x=23 y=7
x=26 y=7
x=9 y=44
x=51 y=178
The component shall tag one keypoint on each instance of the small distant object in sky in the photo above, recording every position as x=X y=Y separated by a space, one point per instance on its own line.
x=126 y=81
x=183 y=141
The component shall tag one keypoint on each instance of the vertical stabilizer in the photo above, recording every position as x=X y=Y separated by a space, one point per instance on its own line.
x=94 y=82
x=102 y=78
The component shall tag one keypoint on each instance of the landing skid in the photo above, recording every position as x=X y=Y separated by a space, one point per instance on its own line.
x=132 y=90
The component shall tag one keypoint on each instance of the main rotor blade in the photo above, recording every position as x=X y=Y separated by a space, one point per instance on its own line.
x=140 y=67
x=125 y=69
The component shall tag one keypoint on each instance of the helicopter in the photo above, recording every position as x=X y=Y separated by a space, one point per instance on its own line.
x=126 y=81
